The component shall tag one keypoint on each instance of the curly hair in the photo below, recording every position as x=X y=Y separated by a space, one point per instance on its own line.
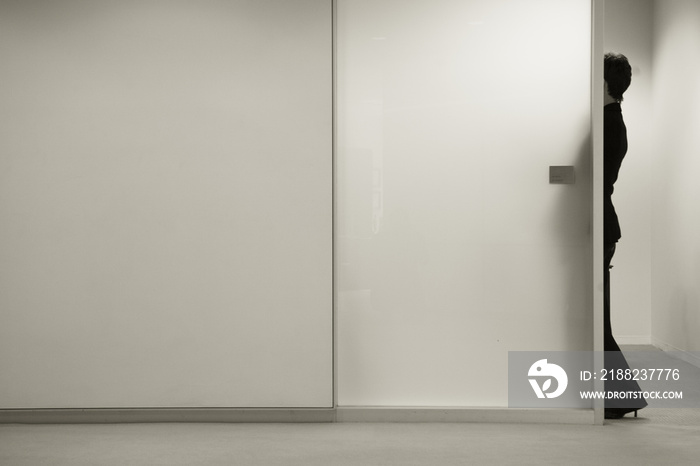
x=618 y=74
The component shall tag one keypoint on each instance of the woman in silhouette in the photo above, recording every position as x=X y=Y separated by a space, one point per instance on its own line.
x=618 y=76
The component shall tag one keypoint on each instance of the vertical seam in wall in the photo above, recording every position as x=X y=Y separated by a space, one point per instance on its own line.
x=334 y=210
x=597 y=49
x=598 y=7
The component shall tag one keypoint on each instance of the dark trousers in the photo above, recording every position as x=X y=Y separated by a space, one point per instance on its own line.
x=609 y=341
x=614 y=359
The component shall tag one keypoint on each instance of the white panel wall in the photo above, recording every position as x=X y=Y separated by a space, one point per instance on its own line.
x=165 y=201
x=453 y=247
x=676 y=216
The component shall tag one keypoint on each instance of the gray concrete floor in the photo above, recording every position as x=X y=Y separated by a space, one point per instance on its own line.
x=657 y=437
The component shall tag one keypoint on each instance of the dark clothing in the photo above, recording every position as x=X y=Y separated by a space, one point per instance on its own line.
x=614 y=148
x=609 y=341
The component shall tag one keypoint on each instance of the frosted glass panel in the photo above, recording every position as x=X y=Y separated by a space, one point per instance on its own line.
x=453 y=246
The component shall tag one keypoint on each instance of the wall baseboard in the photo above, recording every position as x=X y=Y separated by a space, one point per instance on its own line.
x=633 y=340
x=691 y=357
x=311 y=415
x=466 y=415
x=163 y=415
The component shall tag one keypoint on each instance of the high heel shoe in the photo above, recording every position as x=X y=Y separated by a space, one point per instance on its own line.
x=618 y=413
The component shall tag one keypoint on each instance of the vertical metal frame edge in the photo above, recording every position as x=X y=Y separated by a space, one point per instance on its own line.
x=334 y=197
x=597 y=51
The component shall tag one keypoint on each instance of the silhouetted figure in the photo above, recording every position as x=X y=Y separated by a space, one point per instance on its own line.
x=618 y=76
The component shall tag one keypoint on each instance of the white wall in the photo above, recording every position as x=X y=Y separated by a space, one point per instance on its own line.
x=675 y=249
x=629 y=30
x=139 y=269
x=657 y=267
x=453 y=247
x=165 y=201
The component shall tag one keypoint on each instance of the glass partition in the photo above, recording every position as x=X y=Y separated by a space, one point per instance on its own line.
x=453 y=245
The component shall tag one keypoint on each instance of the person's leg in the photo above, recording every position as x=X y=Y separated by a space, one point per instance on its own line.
x=614 y=359
x=609 y=341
